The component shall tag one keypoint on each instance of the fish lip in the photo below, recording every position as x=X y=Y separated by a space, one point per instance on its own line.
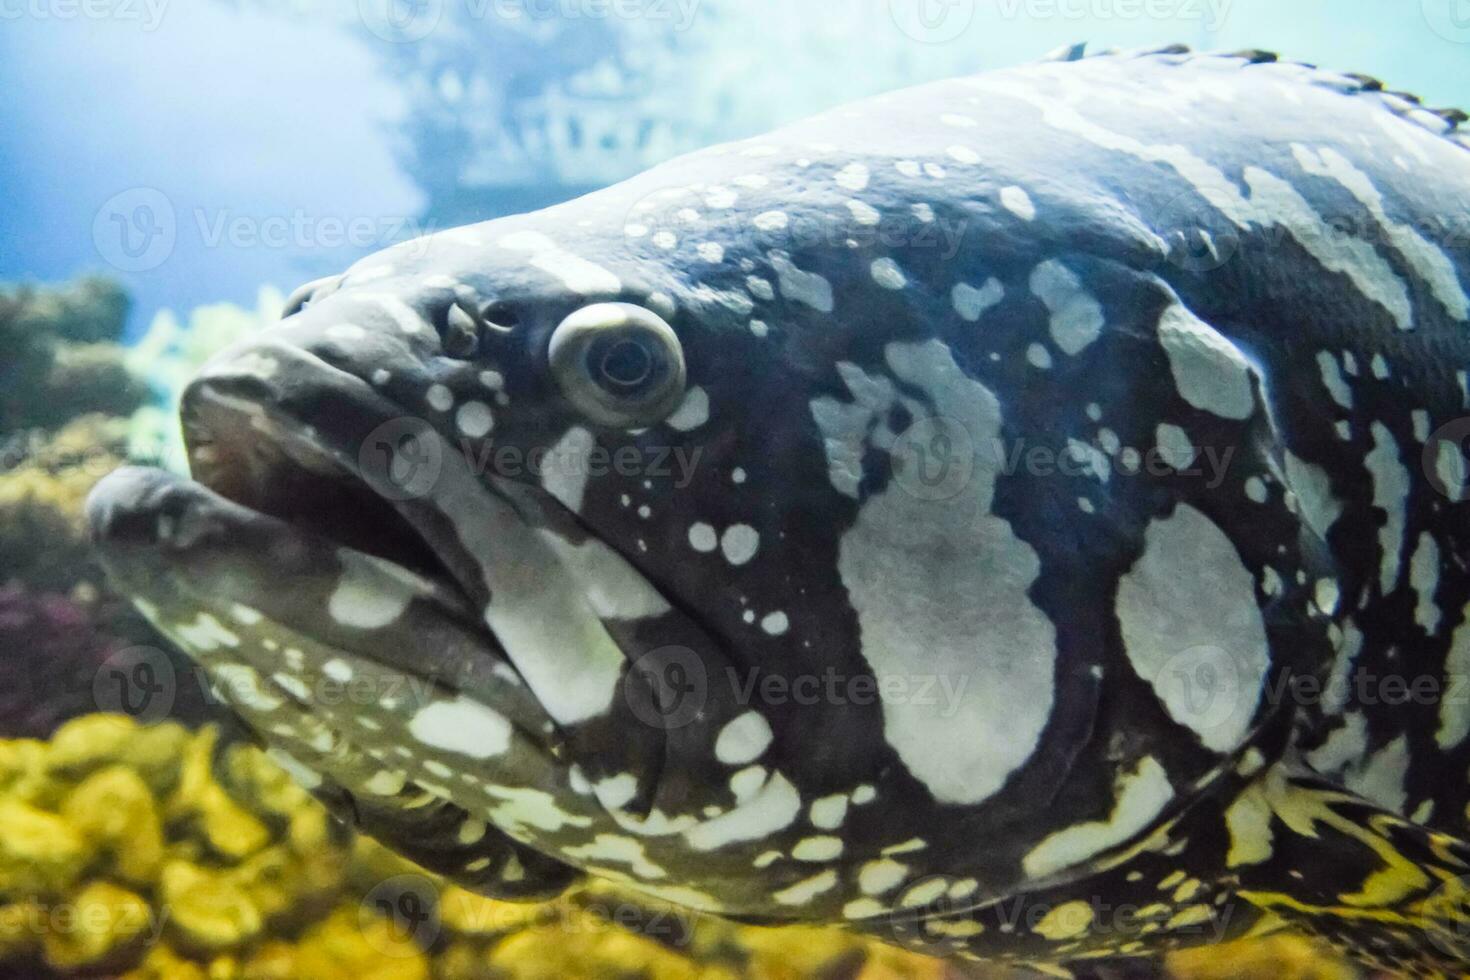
x=247 y=441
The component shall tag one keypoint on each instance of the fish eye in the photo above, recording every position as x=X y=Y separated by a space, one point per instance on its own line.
x=619 y=364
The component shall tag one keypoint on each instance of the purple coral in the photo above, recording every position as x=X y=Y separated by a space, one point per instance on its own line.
x=50 y=652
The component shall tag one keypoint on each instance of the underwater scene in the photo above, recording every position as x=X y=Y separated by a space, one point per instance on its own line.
x=734 y=488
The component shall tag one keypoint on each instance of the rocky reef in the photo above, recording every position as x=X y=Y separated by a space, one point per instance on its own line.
x=65 y=391
x=64 y=355
x=73 y=399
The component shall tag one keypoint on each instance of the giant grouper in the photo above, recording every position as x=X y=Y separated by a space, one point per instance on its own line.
x=1022 y=517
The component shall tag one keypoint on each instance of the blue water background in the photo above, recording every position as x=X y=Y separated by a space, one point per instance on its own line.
x=279 y=141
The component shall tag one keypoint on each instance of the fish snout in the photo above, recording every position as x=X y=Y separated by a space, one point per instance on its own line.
x=137 y=508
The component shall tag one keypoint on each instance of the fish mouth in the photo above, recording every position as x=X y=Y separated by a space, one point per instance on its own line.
x=278 y=509
x=303 y=519
x=266 y=461
x=284 y=560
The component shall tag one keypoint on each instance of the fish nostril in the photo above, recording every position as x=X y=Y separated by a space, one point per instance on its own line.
x=307 y=293
x=466 y=322
x=500 y=317
x=461 y=332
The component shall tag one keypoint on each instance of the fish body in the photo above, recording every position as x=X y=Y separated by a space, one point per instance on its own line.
x=991 y=516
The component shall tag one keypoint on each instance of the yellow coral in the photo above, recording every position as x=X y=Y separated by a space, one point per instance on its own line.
x=25 y=775
x=224 y=826
x=794 y=952
x=354 y=945
x=210 y=911
x=114 y=809
x=40 y=855
x=46 y=479
x=250 y=880
x=584 y=946
x=100 y=927
x=162 y=963
x=22 y=924
x=468 y=914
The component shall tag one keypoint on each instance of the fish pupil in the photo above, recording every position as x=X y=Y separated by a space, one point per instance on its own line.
x=625 y=364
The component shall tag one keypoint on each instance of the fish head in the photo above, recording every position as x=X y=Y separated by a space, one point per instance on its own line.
x=645 y=527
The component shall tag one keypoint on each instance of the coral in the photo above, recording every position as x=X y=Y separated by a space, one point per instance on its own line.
x=159 y=853
x=63 y=355
x=106 y=927
x=59 y=657
x=41 y=856
x=91 y=310
x=44 y=481
x=50 y=652
x=571 y=104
